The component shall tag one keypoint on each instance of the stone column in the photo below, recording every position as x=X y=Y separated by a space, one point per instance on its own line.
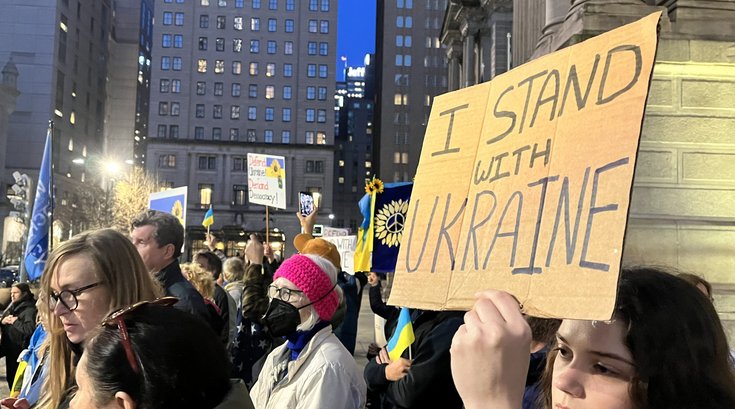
x=487 y=49
x=556 y=11
x=454 y=52
x=469 y=29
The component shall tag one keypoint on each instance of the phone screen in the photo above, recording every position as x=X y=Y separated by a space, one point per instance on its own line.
x=306 y=203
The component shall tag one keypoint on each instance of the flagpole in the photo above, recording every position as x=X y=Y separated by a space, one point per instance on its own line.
x=267 y=231
x=52 y=189
x=410 y=356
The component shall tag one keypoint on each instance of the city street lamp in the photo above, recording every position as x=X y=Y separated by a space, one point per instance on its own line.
x=331 y=218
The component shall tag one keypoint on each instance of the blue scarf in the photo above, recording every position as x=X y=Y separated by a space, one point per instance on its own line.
x=297 y=341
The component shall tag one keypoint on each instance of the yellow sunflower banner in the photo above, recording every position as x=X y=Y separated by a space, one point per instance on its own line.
x=389 y=217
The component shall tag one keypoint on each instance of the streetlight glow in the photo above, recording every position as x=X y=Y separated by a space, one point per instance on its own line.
x=112 y=168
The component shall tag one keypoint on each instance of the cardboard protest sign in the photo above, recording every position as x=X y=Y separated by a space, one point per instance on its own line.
x=267 y=180
x=524 y=182
x=346 y=247
x=171 y=201
x=334 y=231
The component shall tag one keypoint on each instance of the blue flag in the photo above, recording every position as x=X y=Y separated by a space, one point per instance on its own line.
x=389 y=217
x=37 y=246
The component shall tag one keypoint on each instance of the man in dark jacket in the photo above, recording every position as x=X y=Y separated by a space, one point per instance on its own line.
x=426 y=381
x=159 y=236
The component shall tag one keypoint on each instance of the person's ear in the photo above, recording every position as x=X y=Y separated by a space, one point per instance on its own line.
x=170 y=251
x=124 y=401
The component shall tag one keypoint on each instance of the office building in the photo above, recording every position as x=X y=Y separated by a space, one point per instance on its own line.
x=231 y=77
x=411 y=68
x=354 y=104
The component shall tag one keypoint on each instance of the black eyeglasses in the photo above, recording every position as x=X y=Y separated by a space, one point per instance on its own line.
x=282 y=293
x=118 y=318
x=68 y=298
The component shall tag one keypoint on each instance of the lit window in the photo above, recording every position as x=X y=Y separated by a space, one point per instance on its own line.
x=270 y=92
x=219 y=66
x=321 y=139
x=253 y=68
x=270 y=70
x=205 y=191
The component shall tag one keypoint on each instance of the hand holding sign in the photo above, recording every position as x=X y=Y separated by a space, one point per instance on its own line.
x=486 y=351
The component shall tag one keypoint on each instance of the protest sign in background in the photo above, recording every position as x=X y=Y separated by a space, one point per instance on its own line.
x=267 y=180
x=346 y=247
x=524 y=182
x=170 y=201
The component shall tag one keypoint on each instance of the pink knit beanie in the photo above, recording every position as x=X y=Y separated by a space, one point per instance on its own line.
x=314 y=282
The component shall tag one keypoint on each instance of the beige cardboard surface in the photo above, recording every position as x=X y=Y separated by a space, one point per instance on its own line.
x=524 y=182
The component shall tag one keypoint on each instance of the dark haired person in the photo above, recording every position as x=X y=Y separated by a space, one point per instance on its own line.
x=18 y=324
x=211 y=263
x=134 y=361
x=665 y=348
x=158 y=237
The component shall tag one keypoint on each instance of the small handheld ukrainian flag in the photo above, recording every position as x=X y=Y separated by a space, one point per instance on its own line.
x=208 y=218
x=402 y=337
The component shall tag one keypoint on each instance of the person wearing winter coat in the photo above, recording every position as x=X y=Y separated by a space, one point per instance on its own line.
x=18 y=323
x=312 y=369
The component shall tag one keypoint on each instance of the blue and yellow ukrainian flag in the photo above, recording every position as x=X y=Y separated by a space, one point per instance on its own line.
x=208 y=217
x=402 y=337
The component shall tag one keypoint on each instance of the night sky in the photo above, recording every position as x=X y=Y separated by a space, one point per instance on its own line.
x=355 y=32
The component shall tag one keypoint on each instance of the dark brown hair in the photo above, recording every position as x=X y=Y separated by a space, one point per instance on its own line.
x=677 y=342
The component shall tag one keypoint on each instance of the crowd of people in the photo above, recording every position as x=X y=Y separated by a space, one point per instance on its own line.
x=119 y=323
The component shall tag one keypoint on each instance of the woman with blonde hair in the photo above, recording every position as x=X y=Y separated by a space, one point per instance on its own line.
x=86 y=277
x=203 y=281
